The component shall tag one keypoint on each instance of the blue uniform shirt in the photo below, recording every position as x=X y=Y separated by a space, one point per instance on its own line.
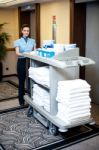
x=25 y=46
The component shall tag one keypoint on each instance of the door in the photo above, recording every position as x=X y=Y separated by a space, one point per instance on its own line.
x=78 y=28
x=32 y=18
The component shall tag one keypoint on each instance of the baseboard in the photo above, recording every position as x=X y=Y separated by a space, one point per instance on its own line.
x=10 y=75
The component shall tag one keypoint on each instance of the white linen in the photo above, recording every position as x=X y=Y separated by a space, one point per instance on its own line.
x=72 y=84
x=40 y=75
x=41 y=97
x=73 y=100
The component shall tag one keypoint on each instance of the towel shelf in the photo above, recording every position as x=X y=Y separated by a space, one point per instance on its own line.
x=41 y=85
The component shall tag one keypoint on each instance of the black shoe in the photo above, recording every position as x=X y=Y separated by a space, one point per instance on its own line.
x=22 y=104
x=30 y=111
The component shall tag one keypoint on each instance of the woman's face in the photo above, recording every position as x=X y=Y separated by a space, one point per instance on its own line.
x=26 y=31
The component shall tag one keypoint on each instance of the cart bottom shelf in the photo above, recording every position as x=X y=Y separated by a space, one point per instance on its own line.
x=47 y=118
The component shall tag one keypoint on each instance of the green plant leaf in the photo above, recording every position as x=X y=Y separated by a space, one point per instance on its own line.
x=4 y=37
x=2 y=51
x=2 y=25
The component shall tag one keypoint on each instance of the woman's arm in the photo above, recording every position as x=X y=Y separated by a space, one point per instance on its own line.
x=17 y=51
x=34 y=47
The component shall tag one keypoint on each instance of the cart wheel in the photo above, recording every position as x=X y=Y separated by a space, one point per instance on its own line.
x=30 y=112
x=53 y=130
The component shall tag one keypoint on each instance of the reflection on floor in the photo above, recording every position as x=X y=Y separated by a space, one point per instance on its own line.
x=12 y=78
x=91 y=144
x=9 y=104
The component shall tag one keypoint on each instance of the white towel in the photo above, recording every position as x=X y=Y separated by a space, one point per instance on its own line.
x=73 y=100
x=72 y=84
x=41 y=93
x=41 y=96
x=69 y=120
x=47 y=108
x=40 y=75
x=74 y=107
x=64 y=109
x=78 y=95
x=73 y=91
x=38 y=100
x=40 y=80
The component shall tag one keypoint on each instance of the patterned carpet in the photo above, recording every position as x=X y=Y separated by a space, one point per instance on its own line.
x=7 y=91
x=18 y=132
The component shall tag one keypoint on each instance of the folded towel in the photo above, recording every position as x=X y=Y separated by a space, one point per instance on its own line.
x=69 y=120
x=47 y=108
x=38 y=75
x=40 y=96
x=74 y=110
x=72 y=84
x=75 y=100
x=40 y=81
x=76 y=105
x=40 y=91
x=73 y=91
x=73 y=107
x=38 y=100
x=74 y=95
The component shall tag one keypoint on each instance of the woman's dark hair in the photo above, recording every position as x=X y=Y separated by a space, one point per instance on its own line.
x=25 y=25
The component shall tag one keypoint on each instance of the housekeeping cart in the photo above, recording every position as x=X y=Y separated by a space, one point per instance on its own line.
x=64 y=66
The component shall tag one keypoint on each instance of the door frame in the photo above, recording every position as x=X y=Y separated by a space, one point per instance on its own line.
x=78 y=28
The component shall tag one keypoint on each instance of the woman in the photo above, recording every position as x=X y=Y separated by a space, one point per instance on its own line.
x=22 y=45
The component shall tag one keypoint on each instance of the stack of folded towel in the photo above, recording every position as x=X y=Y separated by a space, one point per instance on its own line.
x=40 y=75
x=73 y=100
x=41 y=97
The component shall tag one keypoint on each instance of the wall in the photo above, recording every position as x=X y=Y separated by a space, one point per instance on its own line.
x=92 y=48
x=9 y=63
x=60 y=9
x=10 y=16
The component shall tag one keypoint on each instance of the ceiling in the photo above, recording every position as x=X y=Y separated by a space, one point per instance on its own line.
x=9 y=3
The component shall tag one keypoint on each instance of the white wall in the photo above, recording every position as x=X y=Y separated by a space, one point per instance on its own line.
x=92 y=48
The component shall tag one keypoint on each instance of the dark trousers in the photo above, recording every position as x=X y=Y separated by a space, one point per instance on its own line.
x=21 y=70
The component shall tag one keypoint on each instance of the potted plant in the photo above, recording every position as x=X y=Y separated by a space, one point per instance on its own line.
x=4 y=37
